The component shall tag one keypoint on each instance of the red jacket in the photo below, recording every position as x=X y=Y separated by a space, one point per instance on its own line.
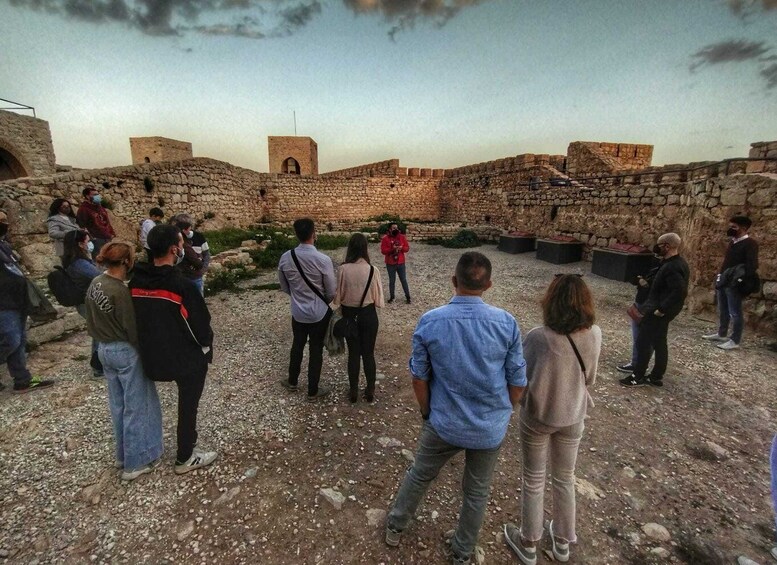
x=387 y=247
x=94 y=219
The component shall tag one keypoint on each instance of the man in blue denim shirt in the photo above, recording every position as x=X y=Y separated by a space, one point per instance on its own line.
x=468 y=373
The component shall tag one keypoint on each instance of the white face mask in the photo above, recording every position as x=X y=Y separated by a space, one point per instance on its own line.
x=179 y=258
x=90 y=246
x=190 y=234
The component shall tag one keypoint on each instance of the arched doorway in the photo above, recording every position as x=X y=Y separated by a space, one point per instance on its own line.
x=10 y=166
x=290 y=166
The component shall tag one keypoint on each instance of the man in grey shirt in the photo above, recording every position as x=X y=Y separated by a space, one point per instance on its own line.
x=311 y=291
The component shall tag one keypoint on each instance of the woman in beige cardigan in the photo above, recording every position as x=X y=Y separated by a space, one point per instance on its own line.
x=359 y=292
x=561 y=361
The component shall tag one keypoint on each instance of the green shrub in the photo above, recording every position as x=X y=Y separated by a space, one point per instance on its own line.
x=464 y=238
x=329 y=242
x=228 y=238
x=268 y=259
x=226 y=279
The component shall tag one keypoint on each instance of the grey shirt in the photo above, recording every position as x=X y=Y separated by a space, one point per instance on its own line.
x=58 y=226
x=306 y=307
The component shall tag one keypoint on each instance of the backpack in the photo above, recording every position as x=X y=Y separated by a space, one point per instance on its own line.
x=64 y=288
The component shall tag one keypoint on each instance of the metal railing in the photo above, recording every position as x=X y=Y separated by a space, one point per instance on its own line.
x=17 y=106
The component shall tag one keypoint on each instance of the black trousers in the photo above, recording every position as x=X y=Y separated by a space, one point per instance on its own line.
x=303 y=332
x=652 y=336
x=189 y=394
x=362 y=347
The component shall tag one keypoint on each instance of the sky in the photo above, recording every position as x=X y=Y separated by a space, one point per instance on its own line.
x=435 y=83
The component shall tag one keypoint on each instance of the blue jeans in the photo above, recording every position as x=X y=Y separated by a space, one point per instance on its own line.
x=773 y=460
x=134 y=404
x=13 y=338
x=392 y=273
x=634 y=337
x=730 y=310
x=433 y=452
x=200 y=284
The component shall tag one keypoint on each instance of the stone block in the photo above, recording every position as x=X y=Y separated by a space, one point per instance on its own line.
x=39 y=258
x=770 y=290
x=733 y=196
x=763 y=197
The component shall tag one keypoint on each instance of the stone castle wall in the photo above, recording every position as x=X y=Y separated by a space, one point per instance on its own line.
x=586 y=158
x=157 y=149
x=28 y=141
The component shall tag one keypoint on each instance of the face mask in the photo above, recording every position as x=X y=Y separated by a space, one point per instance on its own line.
x=732 y=232
x=90 y=246
x=658 y=250
x=394 y=232
x=190 y=234
x=3 y=229
x=97 y=199
x=178 y=258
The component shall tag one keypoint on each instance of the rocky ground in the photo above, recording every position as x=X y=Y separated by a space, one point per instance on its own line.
x=676 y=475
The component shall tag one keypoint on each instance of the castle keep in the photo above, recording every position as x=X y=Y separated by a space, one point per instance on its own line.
x=599 y=193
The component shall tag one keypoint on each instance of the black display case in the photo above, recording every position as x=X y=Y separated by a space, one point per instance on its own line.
x=559 y=252
x=517 y=243
x=621 y=266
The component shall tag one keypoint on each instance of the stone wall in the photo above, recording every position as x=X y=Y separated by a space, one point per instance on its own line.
x=389 y=168
x=25 y=146
x=586 y=158
x=303 y=149
x=157 y=149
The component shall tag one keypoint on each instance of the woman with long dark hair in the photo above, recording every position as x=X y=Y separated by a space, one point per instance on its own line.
x=61 y=220
x=133 y=400
x=360 y=292
x=561 y=363
x=77 y=262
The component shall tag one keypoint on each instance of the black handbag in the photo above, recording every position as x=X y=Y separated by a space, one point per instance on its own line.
x=348 y=326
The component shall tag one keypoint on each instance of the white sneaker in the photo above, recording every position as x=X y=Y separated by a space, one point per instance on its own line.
x=135 y=473
x=715 y=337
x=728 y=345
x=560 y=550
x=198 y=460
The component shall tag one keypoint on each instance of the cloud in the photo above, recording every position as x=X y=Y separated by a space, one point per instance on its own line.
x=770 y=76
x=739 y=51
x=404 y=14
x=733 y=51
x=253 y=19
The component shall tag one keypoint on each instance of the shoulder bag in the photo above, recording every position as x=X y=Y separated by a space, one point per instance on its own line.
x=348 y=326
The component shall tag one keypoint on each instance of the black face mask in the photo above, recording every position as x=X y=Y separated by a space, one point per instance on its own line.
x=394 y=232
x=732 y=232
x=3 y=229
x=658 y=250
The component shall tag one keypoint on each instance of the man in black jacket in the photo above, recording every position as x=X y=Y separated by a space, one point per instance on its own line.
x=736 y=279
x=14 y=305
x=663 y=304
x=174 y=336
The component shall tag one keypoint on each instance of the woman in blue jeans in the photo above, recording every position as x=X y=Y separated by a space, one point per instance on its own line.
x=134 y=404
x=77 y=262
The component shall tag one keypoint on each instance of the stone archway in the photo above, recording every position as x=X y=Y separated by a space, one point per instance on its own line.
x=12 y=164
x=291 y=166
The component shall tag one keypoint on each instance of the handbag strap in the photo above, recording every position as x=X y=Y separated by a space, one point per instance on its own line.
x=577 y=354
x=366 y=288
x=307 y=281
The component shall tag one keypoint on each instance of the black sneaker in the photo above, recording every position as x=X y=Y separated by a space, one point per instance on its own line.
x=407 y=300
x=354 y=396
x=655 y=382
x=288 y=386
x=322 y=392
x=627 y=368
x=390 y=300
x=632 y=380
x=36 y=383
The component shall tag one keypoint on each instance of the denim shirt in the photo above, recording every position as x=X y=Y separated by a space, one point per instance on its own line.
x=306 y=307
x=469 y=352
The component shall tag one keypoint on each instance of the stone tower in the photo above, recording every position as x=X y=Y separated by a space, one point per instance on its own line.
x=293 y=155
x=156 y=149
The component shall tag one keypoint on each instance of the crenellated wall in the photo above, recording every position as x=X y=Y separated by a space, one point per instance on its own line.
x=389 y=168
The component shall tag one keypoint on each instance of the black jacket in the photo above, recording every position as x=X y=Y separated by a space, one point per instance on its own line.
x=13 y=285
x=173 y=323
x=669 y=288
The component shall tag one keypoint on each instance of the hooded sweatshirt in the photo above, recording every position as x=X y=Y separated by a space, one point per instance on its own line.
x=94 y=219
x=174 y=334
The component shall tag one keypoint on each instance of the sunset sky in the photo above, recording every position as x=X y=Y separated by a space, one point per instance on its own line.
x=435 y=83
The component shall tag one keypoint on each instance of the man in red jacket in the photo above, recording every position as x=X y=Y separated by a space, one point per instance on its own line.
x=93 y=217
x=394 y=246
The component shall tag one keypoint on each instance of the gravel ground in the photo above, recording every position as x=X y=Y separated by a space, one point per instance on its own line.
x=646 y=455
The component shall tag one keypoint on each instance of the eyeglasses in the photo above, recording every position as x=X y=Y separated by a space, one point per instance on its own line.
x=579 y=275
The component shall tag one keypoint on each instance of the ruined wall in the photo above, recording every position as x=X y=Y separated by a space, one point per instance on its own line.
x=586 y=158
x=303 y=149
x=157 y=149
x=389 y=168
x=25 y=146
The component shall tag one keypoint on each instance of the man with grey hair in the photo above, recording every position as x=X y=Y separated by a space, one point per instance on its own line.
x=663 y=304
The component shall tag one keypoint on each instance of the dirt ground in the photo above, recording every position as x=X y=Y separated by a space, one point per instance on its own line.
x=645 y=457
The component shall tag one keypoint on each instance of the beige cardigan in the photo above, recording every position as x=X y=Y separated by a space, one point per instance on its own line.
x=351 y=280
x=557 y=394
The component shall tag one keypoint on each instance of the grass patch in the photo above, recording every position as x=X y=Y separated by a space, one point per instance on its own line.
x=226 y=279
x=463 y=239
x=228 y=238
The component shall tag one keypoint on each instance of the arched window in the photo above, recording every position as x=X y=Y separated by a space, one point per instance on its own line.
x=146 y=159
x=290 y=166
x=10 y=166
